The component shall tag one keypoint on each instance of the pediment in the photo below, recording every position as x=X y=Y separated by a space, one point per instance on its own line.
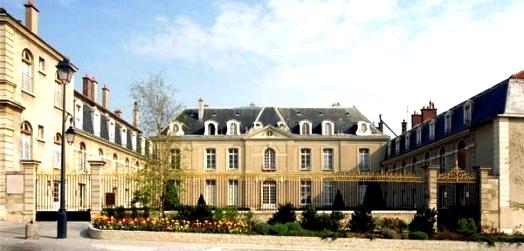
x=268 y=132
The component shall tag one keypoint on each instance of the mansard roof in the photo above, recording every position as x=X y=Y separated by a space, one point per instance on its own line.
x=344 y=118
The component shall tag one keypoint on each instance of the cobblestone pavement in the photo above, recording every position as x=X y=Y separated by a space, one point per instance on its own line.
x=12 y=237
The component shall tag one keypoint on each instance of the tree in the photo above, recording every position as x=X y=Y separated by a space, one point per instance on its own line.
x=158 y=107
x=338 y=203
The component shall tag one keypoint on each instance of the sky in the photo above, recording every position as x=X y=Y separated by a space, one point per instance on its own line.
x=388 y=57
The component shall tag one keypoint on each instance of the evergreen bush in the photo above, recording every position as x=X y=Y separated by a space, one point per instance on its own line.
x=361 y=220
x=418 y=235
x=467 y=227
x=262 y=228
x=338 y=203
x=284 y=214
x=278 y=229
x=309 y=218
x=424 y=221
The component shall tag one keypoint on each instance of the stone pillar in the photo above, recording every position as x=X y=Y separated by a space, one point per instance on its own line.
x=97 y=167
x=431 y=186
x=488 y=198
x=29 y=209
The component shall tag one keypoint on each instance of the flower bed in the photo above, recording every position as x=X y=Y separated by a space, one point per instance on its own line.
x=169 y=225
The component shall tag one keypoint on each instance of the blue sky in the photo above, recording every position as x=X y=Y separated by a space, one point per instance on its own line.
x=382 y=56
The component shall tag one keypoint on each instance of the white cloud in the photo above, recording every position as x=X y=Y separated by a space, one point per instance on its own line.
x=380 y=56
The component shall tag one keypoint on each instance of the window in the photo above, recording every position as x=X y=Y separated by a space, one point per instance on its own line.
x=27 y=71
x=115 y=162
x=211 y=191
x=407 y=140
x=233 y=158
x=419 y=135
x=41 y=134
x=328 y=159
x=211 y=158
x=432 y=129
x=59 y=95
x=447 y=122
x=232 y=193
x=41 y=65
x=233 y=127
x=305 y=193
x=468 y=109
x=442 y=160
x=175 y=158
x=327 y=128
x=211 y=128
x=123 y=132
x=82 y=157
x=26 y=141
x=112 y=131
x=327 y=193
x=176 y=127
x=363 y=159
x=127 y=164
x=305 y=128
x=397 y=145
x=305 y=159
x=57 y=151
x=269 y=194
x=101 y=154
x=269 y=159
x=82 y=194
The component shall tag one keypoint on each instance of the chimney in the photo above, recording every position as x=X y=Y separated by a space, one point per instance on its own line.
x=135 y=114
x=94 y=89
x=404 y=126
x=105 y=97
x=428 y=112
x=31 y=16
x=380 y=123
x=86 y=86
x=416 y=119
x=118 y=113
x=200 y=109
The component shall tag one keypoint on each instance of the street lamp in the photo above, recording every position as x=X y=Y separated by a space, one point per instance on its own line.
x=65 y=71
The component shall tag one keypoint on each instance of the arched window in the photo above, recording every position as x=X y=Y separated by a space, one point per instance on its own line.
x=234 y=129
x=461 y=158
x=57 y=150
x=26 y=145
x=442 y=160
x=269 y=159
x=82 y=158
x=115 y=162
x=101 y=154
x=305 y=128
x=27 y=71
x=327 y=128
x=210 y=128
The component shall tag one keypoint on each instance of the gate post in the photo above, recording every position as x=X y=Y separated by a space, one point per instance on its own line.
x=487 y=198
x=29 y=209
x=431 y=186
x=96 y=186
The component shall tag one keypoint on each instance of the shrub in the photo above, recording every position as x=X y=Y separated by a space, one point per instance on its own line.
x=448 y=235
x=310 y=218
x=338 y=203
x=262 y=228
x=110 y=212
x=334 y=220
x=293 y=227
x=248 y=218
x=361 y=221
x=284 y=214
x=278 y=229
x=134 y=211
x=392 y=223
x=120 y=212
x=467 y=227
x=201 y=201
x=424 y=221
x=418 y=235
x=201 y=213
x=218 y=214
x=231 y=214
x=389 y=233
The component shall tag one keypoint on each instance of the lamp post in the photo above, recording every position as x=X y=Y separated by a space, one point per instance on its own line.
x=65 y=71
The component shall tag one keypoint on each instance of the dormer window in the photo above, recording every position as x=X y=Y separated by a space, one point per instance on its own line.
x=468 y=111
x=407 y=140
x=233 y=127
x=257 y=125
x=419 y=135
x=305 y=127
x=124 y=137
x=447 y=122
x=176 y=129
x=111 y=130
x=96 y=122
x=327 y=128
x=363 y=128
x=397 y=145
x=211 y=128
x=432 y=129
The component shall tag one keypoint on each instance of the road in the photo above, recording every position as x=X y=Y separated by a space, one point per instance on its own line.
x=12 y=238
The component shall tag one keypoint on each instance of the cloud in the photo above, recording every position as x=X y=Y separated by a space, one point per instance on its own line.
x=382 y=56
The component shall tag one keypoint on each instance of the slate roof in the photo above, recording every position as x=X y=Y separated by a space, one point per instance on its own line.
x=485 y=106
x=344 y=118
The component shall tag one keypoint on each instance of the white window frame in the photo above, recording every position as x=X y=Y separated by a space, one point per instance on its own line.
x=233 y=124
x=419 y=135
x=111 y=128
x=96 y=124
x=257 y=125
x=26 y=146
x=211 y=192
x=325 y=123
x=59 y=95
x=175 y=158
x=305 y=193
x=432 y=129
x=305 y=159
x=206 y=127
x=448 y=118
x=364 y=159
x=236 y=156
x=327 y=193
x=176 y=128
x=27 y=71
x=210 y=159
x=79 y=111
x=269 y=187
x=328 y=157
x=133 y=140
x=269 y=159
x=468 y=112
x=82 y=154
x=233 y=198
x=123 y=136
x=305 y=131
x=41 y=65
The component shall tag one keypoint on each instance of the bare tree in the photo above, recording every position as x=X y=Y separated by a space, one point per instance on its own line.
x=158 y=106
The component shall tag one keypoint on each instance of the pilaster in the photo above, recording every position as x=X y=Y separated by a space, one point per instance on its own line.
x=97 y=170
x=432 y=189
